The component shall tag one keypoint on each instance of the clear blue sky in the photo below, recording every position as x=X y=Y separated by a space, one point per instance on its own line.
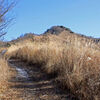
x=36 y=16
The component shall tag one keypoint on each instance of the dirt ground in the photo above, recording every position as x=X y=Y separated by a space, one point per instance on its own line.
x=30 y=83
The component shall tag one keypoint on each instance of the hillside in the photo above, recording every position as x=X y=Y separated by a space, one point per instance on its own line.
x=59 y=63
x=65 y=34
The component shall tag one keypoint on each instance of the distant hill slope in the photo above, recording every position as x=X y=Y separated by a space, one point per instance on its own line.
x=57 y=30
x=22 y=38
x=71 y=37
x=4 y=44
x=64 y=34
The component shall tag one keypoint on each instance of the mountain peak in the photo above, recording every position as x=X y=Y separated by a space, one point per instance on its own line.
x=57 y=30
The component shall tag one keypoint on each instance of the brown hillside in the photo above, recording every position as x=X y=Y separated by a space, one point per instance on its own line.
x=72 y=59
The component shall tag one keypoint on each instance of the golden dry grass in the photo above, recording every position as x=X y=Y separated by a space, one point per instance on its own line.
x=4 y=76
x=76 y=64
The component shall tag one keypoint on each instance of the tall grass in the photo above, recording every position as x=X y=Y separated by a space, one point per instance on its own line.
x=4 y=76
x=77 y=66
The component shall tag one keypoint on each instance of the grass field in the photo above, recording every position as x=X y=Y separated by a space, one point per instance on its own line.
x=73 y=59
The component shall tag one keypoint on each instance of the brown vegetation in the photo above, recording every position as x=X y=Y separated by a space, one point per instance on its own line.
x=74 y=59
x=4 y=76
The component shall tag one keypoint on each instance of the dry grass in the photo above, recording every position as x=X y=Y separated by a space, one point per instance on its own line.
x=4 y=76
x=77 y=66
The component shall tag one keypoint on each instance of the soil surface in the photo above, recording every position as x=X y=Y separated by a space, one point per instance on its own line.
x=30 y=83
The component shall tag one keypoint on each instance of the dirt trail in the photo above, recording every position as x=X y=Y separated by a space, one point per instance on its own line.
x=30 y=83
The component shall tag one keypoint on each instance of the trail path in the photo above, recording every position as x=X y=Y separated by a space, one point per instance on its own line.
x=30 y=83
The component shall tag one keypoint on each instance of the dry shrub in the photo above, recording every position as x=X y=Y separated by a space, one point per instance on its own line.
x=77 y=66
x=4 y=76
x=80 y=73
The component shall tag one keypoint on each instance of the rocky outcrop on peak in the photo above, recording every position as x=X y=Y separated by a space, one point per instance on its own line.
x=57 y=30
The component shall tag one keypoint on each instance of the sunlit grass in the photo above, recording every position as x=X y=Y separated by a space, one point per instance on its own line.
x=76 y=63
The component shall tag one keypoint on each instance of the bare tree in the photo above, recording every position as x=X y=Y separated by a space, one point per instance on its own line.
x=5 y=7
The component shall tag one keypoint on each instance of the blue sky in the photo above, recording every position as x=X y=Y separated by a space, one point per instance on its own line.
x=36 y=16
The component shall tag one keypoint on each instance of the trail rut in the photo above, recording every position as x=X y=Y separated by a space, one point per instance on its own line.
x=30 y=83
